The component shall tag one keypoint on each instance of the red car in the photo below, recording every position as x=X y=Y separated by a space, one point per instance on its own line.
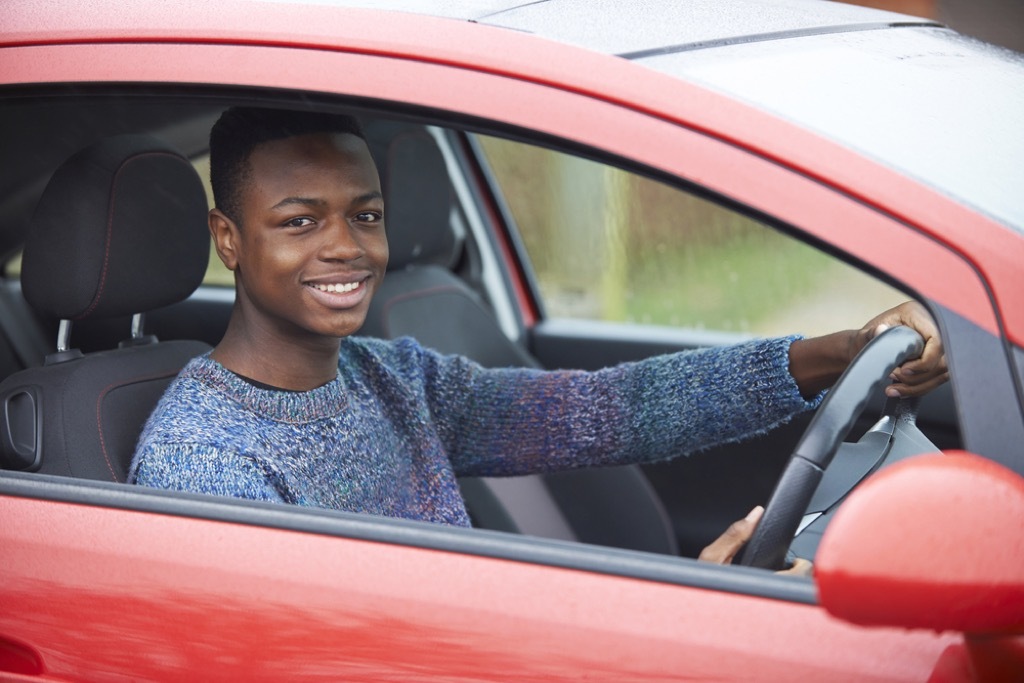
x=569 y=184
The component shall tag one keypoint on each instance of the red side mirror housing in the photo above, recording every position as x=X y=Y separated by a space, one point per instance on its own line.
x=935 y=542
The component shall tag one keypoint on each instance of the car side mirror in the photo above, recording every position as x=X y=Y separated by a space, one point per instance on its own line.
x=933 y=542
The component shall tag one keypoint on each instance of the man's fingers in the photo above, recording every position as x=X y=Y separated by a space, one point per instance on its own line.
x=801 y=567
x=900 y=390
x=932 y=358
x=911 y=376
x=917 y=378
x=725 y=547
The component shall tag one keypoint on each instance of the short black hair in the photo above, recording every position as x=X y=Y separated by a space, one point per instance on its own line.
x=240 y=129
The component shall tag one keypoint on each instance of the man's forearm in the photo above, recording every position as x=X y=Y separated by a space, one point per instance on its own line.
x=817 y=363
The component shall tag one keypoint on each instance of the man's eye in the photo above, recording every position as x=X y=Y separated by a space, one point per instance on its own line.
x=300 y=222
x=369 y=217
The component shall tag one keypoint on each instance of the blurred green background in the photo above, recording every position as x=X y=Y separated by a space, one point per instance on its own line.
x=614 y=246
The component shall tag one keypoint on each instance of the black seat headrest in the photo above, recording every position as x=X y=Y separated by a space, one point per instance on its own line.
x=418 y=197
x=120 y=229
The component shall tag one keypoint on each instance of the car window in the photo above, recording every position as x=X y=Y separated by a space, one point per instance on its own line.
x=606 y=245
x=216 y=273
x=614 y=246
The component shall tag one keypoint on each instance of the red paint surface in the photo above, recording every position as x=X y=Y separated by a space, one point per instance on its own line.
x=896 y=551
x=102 y=594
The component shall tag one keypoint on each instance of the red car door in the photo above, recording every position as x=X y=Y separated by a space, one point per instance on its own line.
x=105 y=582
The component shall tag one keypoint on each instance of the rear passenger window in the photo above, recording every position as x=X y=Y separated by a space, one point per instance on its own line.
x=216 y=273
x=614 y=246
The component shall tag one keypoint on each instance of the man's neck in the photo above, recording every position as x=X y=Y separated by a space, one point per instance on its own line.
x=287 y=364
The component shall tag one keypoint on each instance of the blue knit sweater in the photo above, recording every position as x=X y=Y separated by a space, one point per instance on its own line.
x=396 y=427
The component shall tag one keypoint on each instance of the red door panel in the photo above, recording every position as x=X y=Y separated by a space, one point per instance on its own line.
x=101 y=593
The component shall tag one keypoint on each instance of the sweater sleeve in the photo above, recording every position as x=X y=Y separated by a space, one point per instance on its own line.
x=519 y=421
x=202 y=469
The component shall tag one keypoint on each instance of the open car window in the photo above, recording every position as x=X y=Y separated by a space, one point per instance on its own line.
x=600 y=244
x=613 y=246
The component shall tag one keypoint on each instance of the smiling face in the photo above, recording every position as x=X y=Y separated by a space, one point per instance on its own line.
x=311 y=249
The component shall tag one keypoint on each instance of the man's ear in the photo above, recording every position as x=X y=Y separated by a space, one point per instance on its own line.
x=225 y=238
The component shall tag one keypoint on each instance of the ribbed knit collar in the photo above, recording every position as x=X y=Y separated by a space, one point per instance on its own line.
x=283 y=406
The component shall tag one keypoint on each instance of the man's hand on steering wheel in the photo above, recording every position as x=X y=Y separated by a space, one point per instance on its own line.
x=724 y=548
x=915 y=377
x=817 y=363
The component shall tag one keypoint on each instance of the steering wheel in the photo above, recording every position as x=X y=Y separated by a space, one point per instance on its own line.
x=864 y=377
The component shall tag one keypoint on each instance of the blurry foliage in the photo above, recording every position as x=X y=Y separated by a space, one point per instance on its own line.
x=610 y=245
x=216 y=273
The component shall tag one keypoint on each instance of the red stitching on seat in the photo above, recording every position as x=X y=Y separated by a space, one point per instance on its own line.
x=385 y=309
x=110 y=228
x=99 y=410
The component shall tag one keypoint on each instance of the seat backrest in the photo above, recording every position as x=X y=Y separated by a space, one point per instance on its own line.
x=119 y=230
x=423 y=298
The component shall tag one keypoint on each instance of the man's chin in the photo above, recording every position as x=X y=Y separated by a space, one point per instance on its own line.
x=346 y=328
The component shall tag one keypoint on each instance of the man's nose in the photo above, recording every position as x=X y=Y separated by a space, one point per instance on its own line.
x=339 y=242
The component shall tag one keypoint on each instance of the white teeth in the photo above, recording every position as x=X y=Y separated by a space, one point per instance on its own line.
x=338 y=288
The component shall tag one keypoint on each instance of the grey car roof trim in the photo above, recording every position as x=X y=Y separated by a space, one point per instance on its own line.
x=775 y=35
x=507 y=9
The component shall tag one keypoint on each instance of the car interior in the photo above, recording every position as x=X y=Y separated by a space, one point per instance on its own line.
x=104 y=239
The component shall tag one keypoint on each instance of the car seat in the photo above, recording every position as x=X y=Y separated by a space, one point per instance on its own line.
x=119 y=230
x=422 y=297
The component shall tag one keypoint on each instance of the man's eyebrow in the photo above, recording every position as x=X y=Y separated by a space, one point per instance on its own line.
x=303 y=201
x=375 y=194
x=312 y=201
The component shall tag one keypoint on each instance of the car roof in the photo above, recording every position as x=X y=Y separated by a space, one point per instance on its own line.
x=658 y=26
x=631 y=28
x=887 y=85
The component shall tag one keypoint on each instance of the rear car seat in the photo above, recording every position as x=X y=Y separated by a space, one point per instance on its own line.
x=120 y=230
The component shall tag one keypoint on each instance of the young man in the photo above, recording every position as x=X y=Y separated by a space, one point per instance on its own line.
x=289 y=407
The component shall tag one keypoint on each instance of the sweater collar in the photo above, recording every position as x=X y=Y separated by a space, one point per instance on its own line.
x=283 y=406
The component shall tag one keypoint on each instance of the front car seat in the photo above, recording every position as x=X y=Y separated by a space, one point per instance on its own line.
x=119 y=230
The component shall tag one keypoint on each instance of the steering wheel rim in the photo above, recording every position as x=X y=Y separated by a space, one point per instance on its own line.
x=843 y=404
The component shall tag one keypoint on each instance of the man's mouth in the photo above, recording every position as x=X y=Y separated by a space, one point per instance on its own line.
x=341 y=295
x=339 y=288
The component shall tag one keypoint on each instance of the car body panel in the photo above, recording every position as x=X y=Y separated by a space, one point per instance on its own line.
x=159 y=586
x=158 y=597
